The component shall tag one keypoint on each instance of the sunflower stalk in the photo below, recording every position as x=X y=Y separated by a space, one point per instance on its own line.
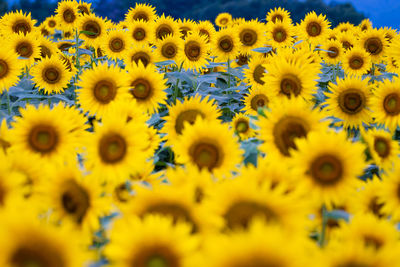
x=8 y=102
x=321 y=240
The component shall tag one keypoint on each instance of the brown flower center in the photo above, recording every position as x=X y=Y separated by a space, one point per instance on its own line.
x=248 y=37
x=45 y=51
x=189 y=116
x=256 y=261
x=3 y=68
x=279 y=35
x=351 y=101
x=259 y=101
x=116 y=45
x=69 y=16
x=43 y=138
x=75 y=200
x=112 y=148
x=242 y=126
x=83 y=9
x=258 y=73
x=223 y=21
x=382 y=147
x=141 y=15
x=226 y=44
x=241 y=213
x=169 y=50
x=356 y=62
x=156 y=255
x=205 y=33
x=347 y=45
x=373 y=45
x=163 y=30
x=326 y=170
x=122 y=193
x=21 y=26
x=193 y=50
x=290 y=85
x=142 y=56
x=242 y=60
x=139 y=34
x=52 y=23
x=334 y=52
x=51 y=75
x=206 y=155
x=44 y=32
x=2 y=195
x=105 y=91
x=184 y=30
x=24 y=49
x=287 y=130
x=93 y=27
x=276 y=17
x=375 y=207
x=391 y=104
x=141 y=89
x=373 y=241
x=38 y=254
x=314 y=29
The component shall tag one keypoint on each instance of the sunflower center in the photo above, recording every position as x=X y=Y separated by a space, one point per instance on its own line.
x=382 y=147
x=356 y=62
x=353 y=264
x=373 y=241
x=193 y=50
x=142 y=56
x=3 y=68
x=347 y=45
x=285 y=132
x=375 y=207
x=351 y=101
x=206 y=155
x=112 y=148
x=169 y=50
x=224 y=21
x=326 y=169
x=75 y=200
x=44 y=51
x=163 y=30
x=43 y=138
x=391 y=104
x=37 y=255
x=205 y=33
x=314 y=29
x=187 y=116
x=122 y=193
x=52 y=24
x=105 y=91
x=2 y=195
x=290 y=84
x=242 y=126
x=279 y=35
x=69 y=16
x=51 y=75
x=276 y=17
x=139 y=34
x=140 y=15
x=241 y=213
x=24 y=49
x=334 y=52
x=184 y=30
x=83 y=9
x=141 y=89
x=258 y=262
x=93 y=27
x=226 y=44
x=21 y=26
x=248 y=37
x=259 y=101
x=117 y=45
x=156 y=256
x=373 y=45
x=242 y=60
x=258 y=73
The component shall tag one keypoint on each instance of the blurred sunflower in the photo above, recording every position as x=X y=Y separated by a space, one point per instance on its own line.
x=10 y=69
x=140 y=55
x=314 y=28
x=165 y=26
x=256 y=99
x=335 y=53
x=389 y=194
x=241 y=124
x=93 y=28
x=67 y=15
x=26 y=46
x=356 y=61
x=186 y=26
x=256 y=71
x=205 y=28
x=223 y=20
x=365 y=25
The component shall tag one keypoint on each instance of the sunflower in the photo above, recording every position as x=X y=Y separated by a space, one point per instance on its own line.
x=186 y=26
x=386 y=103
x=347 y=39
x=4 y=140
x=210 y=145
x=84 y=8
x=10 y=186
x=257 y=98
x=93 y=27
x=280 y=34
x=165 y=26
x=140 y=55
x=26 y=46
x=51 y=24
x=389 y=195
x=153 y=241
x=288 y=121
x=256 y=71
x=17 y=22
x=67 y=15
x=115 y=43
x=335 y=53
x=242 y=126
x=223 y=20
x=144 y=12
x=251 y=35
x=356 y=61
x=375 y=43
x=100 y=86
x=169 y=48
x=10 y=69
x=226 y=44
x=147 y=87
x=205 y=28
x=350 y=100
x=194 y=54
x=115 y=148
x=187 y=111
x=43 y=30
x=242 y=60
x=47 y=48
x=344 y=27
x=25 y=241
x=51 y=75
x=314 y=28
x=328 y=165
x=390 y=34
x=278 y=14
x=140 y=32
x=44 y=134
x=365 y=25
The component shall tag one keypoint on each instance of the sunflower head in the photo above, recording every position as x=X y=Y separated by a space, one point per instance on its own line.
x=314 y=27
x=280 y=34
x=223 y=20
x=356 y=61
x=278 y=14
x=194 y=54
x=18 y=22
x=226 y=44
x=143 y=12
x=375 y=43
x=67 y=14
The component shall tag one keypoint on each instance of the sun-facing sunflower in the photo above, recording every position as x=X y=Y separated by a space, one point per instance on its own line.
x=26 y=46
x=142 y=54
x=226 y=44
x=375 y=43
x=115 y=43
x=170 y=48
x=67 y=15
x=257 y=98
x=205 y=28
x=17 y=22
x=278 y=14
x=314 y=28
x=141 y=32
x=186 y=26
x=256 y=71
x=356 y=61
x=251 y=35
x=10 y=69
x=93 y=29
x=241 y=124
x=164 y=26
x=333 y=51
x=280 y=33
x=144 y=12
x=223 y=20
x=194 y=54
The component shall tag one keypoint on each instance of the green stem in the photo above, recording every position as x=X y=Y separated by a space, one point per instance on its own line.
x=8 y=103
x=321 y=240
x=77 y=63
x=229 y=73
x=176 y=89
x=27 y=72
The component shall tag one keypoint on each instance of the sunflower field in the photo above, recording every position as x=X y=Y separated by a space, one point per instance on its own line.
x=156 y=142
